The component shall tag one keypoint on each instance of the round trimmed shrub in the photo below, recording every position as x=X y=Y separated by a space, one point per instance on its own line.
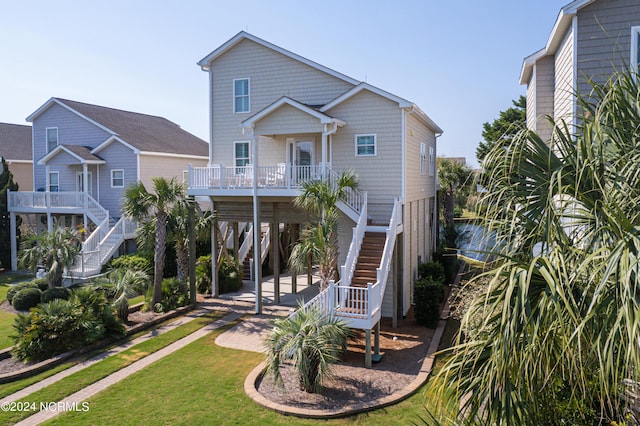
x=134 y=262
x=14 y=289
x=427 y=296
x=27 y=298
x=41 y=283
x=55 y=293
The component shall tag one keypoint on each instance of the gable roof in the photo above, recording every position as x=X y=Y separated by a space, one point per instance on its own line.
x=324 y=118
x=146 y=133
x=205 y=62
x=15 y=142
x=81 y=153
x=562 y=24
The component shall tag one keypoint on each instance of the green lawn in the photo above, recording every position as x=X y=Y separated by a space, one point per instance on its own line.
x=6 y=319
x=203 y=384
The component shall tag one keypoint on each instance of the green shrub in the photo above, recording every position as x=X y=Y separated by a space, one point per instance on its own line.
x=62 y=325
x=203 y=274
x=133 y=262
x=174 y=295
x=41 y=283
x=27 y=298
x=229 y=276
x=55 y=293
x=427 y=296
x=17 y=287
x=432 y=269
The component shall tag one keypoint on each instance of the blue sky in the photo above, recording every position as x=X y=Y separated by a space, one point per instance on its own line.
x=458 y=60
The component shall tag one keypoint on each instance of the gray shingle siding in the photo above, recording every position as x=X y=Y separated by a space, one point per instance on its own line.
x=117 y=156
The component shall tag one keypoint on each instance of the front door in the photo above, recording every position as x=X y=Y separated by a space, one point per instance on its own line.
x=80 y=182
x=300 y=159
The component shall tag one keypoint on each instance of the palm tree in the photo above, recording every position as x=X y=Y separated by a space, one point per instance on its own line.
x=311 y=340
x=124 y=284
x=319 y=241
x=141 y=205
x=559 y=320
x=55 y=250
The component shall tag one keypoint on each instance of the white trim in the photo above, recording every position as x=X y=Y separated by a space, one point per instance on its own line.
x=574 y=71
x=432 y=161
x=137 y=167
x=89 y=181
x=205 y=63
x=110 y=140
x=324 y=119
x=634 y=59
x=62 y=104
x=375 y=144
x=17 y=161
x=46 y=137
x=170 y=154
x=403 y=166
x=248 y=111
x=210 y=117
x=48 y=185
x=248 y=142
x=423 y=159
x=60 y=148
x=111 y=181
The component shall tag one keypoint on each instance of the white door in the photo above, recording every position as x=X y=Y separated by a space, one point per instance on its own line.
x=301 y=159
x=80 y=182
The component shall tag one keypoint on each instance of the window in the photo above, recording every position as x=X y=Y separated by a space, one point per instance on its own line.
x=432 y=161
x=365 y=145
x=241 y=155
x=635 y=49
x=185 y=176
x=117 y=178
x=241 y=95
x=54 y=182
x=52 y=138
x=423 y=158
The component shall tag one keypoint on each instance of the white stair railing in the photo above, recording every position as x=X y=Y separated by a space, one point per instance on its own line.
x=354 y=248
x=243 y=252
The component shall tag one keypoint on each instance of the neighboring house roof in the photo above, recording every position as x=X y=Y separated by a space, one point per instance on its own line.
x=562 y=24
x=81 y=153
x=145 y=133
x=15 y=142
x=242 y=35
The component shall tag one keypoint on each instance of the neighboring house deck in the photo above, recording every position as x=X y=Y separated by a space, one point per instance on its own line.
x=279 y=119
x=590 y=40
x=84 y=157
x=15 y=148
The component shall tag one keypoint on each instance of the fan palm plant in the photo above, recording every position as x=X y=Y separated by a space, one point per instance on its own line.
x=141 y=205
x=559 y=329
x=55 y=250
x=311 y=340
x=123 y=284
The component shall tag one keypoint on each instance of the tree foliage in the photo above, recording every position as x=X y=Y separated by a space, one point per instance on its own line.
x=503 y=128
x=559 y=319
x=6 y=184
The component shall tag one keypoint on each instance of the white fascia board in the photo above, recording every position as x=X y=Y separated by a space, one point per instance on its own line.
x=60 y=148
x=528 y=63
x=169 y=154
x=205 y=63
x=403 y=103
x=9 y=161
x=415 y=109
x=324 y=119
x=109 y=141
x=67 y=107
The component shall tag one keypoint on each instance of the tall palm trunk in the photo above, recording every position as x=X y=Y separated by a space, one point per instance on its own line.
x=182 y=255
x=158 y=256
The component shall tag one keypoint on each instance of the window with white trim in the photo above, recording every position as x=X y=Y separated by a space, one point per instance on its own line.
x=423 y=158
x=241 y=95
x=635 y=49
x=117 y=178
x=52 y=138
x=241 y=155
x=54 y=182
x=432 y=161
x=365 y=145
x=185 y=176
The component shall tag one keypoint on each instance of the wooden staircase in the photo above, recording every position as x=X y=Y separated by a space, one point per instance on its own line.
x=369 y=259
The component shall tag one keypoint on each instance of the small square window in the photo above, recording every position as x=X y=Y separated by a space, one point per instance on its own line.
x=117 y=178
x=52 y=138
x=54 y=182
x=241 y=95
x=365 y=145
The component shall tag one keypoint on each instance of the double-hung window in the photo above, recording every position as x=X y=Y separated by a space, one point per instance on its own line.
x=117 y=178
x=432 y=161
x=54 y=182
x=365 y=145
x=635 y=49
x=52 y=138
x=423 y=158
x=241 y=95
x=241 y=155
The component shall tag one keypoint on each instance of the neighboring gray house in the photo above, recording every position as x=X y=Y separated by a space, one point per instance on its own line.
x=85 y=156
x=15 y=148
x=278 y=119
x=590 y=40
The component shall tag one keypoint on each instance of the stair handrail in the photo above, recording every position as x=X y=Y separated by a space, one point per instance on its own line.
x=353 y=197
x=349 y=266
x=382 y=272
x=243 y=252
x=119 y=229
x=265 y=244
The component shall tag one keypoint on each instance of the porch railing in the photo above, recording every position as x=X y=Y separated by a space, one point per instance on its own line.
x=277 y=176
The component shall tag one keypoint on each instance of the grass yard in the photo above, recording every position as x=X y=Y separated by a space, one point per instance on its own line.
x=92 y=374
x=203 y=384
x=6 y=319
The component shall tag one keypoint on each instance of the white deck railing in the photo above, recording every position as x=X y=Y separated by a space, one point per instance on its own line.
x=279 y=176
x=43 y=200
x=354 y=248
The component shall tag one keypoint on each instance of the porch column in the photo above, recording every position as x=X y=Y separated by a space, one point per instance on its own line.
x=85 y=189
x=294 y=275
x=367 y=348
x=215 y=288
x=236 y=242
x=324 y=153
x=14 y=245
x=47 y=195
x=275 y=255
x=376 y=345
x=257 y=234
